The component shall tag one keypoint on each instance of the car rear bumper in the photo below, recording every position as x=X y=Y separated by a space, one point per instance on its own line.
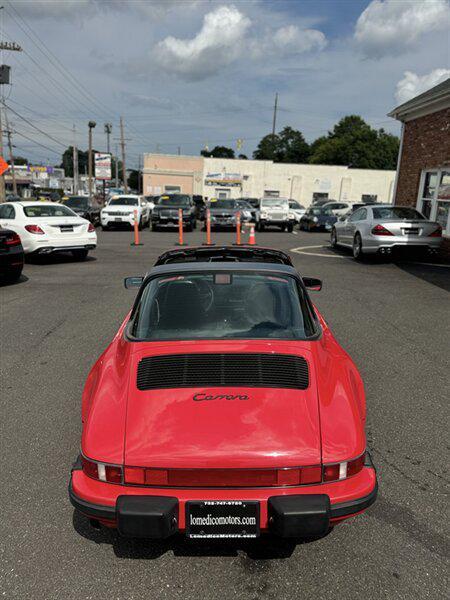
x=286 y=511
x=372 y=244
x=11 y=260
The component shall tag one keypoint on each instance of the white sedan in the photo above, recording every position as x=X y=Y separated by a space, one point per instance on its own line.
x=120 y=211
x=46 y=227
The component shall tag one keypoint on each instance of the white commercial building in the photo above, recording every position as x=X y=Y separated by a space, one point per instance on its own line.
x=234 y=178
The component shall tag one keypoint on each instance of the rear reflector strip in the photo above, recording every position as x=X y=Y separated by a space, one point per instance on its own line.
x=223 y=477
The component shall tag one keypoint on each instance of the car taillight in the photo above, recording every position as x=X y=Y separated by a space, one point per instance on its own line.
x=13 y=240
x=91 y=228
x=34 y=229
x=380 y=230
x=437 y=232
x=101 y=471
x=342 y=470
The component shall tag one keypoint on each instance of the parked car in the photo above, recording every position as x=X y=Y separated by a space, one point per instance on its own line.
x=120 y=211
x=151 y=201
x=317 y=217
x=320 y=201
x=223 y=213
x=297 y=209
x=275 y=212
x=252 y=201
x=165 y=213
x=11 y=255
x=84 y=207
x=338 y=208
x=385 y=228
x=236 y=411
x=247 y=209
x=48 y=227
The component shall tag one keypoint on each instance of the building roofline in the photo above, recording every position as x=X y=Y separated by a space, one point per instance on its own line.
x=433 y=100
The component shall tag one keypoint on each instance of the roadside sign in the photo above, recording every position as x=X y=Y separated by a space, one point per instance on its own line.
x=3 y=165
x=102 y=166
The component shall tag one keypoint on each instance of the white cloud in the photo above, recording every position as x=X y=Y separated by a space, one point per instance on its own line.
x=412 y=84
x=392 y=26
x=286 y=41
x=225 y=36
x=217 y=44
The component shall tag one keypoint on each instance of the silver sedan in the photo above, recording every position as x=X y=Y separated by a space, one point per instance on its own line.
x=382 y=228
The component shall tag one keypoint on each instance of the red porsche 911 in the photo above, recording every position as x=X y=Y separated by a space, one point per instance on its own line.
x=224 y=407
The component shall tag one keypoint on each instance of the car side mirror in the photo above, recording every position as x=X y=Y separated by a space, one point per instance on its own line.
x=132 y=282
x=312 y=284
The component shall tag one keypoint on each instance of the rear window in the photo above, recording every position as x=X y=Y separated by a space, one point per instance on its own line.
x=223 y=305
x=392 y=213
x=48 y=210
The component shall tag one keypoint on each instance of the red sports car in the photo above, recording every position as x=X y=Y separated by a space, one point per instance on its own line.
x=224 y=407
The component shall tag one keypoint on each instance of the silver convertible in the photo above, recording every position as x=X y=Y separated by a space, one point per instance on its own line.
x=384 y=228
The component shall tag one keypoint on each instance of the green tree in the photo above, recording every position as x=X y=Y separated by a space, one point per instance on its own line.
x=20 y=160
x=67 y=163
x=269 y=148
x=287 y=146
x=134 y=178
x=218 y=152
x=355 y=143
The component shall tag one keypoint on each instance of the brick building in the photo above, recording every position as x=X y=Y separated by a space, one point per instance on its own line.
x=423 y=174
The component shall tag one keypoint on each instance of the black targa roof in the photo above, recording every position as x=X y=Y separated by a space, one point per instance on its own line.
x=224 y=254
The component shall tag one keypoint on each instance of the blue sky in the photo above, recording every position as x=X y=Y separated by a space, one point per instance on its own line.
x=185 y=73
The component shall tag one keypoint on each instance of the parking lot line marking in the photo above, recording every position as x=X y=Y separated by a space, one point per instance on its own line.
x=301 y=250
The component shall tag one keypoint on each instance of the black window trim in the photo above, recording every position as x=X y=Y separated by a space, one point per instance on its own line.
x=317 y=334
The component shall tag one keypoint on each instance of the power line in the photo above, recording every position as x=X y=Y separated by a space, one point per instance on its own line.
x=64 y=145
x=16 y=132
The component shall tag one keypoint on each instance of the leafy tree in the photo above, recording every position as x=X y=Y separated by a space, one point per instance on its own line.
x=134 y=180
x=243 y=156
x=287 y=146
x=268 y=148
x=20 y=160
x=355 y=143
x=67 y=163
x=218 y=152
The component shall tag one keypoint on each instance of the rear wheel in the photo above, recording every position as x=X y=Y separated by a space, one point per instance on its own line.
x=333 y=238
x=13 y=274
x=357 y=247
x=80 y=254
x=105 y=227
x=290 y=228
x=261 y=227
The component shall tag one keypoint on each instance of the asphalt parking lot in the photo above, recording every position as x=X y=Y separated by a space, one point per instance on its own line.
x=394 y=321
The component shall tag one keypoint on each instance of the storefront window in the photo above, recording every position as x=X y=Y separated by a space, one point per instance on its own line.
x=434 y=197
x=429 y=187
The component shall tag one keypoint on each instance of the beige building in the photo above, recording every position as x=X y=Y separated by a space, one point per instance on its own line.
x=234 y=178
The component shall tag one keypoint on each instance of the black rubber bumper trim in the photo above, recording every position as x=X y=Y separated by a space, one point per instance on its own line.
x=94 y=511
x=351 y=507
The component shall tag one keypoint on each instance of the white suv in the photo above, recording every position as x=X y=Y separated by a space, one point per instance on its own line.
x=275 y=212
x=120 y=211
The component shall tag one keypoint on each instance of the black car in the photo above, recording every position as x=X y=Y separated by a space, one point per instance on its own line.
x=317 y=217
x=84 y=207
x=165 y=213
x=11 y=255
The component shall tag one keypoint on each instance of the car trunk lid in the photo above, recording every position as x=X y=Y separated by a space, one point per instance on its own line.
x=222 y=426
x=408 y=228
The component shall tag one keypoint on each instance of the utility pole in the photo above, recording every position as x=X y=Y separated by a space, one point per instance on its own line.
x=117 y=167
x=75 y=163
x=2 y=179
x=11 y=155
x=179 y=150
x=108 y=129
x=91 y=126
x=124 y=170
x=275 y=114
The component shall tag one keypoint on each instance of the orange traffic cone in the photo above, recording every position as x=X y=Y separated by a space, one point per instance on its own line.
x=251 y=237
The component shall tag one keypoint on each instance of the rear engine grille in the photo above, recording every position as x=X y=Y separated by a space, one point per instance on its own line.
x=223 y=370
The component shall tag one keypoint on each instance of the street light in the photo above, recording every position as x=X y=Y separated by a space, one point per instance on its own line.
x=91 y=126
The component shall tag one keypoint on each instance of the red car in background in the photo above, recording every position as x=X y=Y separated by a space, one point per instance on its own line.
x=224 y=407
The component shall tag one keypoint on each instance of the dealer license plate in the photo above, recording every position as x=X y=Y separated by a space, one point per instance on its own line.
x=411 y=231
x=222 y=519
x=65 y=228
x=117 y=218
